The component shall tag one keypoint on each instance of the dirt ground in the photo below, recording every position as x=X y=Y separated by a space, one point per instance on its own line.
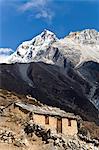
x=5 y=146
x=35 y=146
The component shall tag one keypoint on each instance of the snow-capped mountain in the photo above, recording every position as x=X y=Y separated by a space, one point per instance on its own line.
x=35 y=49
x=80 y=47
x=78 y=50
x=77 y=47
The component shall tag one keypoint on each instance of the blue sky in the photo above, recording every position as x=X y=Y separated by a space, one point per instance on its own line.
x=21 y=20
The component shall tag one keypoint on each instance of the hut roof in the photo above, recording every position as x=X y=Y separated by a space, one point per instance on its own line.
x=46 y=110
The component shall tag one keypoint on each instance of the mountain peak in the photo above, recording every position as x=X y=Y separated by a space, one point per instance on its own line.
x=45 y=31
x=34 y=49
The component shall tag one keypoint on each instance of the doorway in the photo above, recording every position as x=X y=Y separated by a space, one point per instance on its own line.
x=59 y=125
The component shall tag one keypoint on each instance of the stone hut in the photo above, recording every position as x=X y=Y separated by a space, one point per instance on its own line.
x=51 y=118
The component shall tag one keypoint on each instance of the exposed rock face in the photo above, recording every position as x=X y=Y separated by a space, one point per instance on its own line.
x=90 y=71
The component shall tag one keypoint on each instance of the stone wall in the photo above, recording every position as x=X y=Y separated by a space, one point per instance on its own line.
x=67 y=130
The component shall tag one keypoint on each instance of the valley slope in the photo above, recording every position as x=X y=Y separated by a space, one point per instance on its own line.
x=51 y=85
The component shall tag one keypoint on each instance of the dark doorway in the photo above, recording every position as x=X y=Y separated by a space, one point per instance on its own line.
x=59 y=125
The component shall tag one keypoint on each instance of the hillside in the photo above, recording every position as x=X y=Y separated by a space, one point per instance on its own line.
x=51 y=85
x=13 y=123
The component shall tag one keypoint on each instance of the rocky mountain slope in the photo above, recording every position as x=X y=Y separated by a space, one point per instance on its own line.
x=69 y=78
x=51 y=85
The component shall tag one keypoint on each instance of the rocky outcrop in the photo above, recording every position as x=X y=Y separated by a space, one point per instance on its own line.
x=8 y=136
x=89 y=140
x=59 y=141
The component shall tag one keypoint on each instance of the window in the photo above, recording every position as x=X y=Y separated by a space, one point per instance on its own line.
x=46 y=119
x=69 y=122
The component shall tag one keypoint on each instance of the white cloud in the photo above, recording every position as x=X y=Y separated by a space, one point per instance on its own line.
x=39 y=9
x=46 y=14
x=6 y=51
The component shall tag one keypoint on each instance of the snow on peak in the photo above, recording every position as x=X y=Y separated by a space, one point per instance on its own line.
x=76 y=48
x=31 y=50
x=87 y=36
x=47 y=32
